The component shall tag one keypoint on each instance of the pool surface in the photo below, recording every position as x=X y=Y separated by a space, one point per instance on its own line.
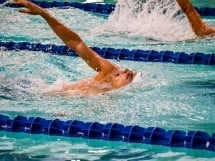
x=170 y=96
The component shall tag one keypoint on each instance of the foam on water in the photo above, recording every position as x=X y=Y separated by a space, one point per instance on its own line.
x=154 y=19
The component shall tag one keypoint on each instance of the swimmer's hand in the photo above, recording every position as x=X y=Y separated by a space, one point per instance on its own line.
x=31 y=8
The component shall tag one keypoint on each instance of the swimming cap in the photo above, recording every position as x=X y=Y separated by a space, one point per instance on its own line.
x=137 y=78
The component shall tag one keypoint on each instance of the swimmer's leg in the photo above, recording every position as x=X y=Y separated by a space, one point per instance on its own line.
x=199 y=27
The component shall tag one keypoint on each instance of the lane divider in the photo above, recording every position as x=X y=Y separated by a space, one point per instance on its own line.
x=118 y=54
x=109 y=131
x=96 y=7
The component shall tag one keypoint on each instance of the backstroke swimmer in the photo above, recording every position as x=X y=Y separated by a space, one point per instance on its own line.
x=109 y=76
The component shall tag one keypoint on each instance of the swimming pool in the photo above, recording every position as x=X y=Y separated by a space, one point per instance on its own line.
x=171 y=96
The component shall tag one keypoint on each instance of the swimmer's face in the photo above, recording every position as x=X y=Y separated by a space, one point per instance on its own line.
x=122 y=77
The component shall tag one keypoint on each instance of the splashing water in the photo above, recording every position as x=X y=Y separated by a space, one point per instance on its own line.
x=154 y=19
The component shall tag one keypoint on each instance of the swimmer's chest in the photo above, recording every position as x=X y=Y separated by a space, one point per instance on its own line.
x=89 y=87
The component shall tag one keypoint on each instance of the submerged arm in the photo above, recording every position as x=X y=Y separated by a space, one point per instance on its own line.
x=199 y=27
x=69 y=37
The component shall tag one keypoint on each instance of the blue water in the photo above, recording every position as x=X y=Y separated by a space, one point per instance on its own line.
x=171 y=96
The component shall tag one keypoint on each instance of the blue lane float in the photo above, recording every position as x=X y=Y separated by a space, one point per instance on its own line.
x=97 y=8
x=91 y=7
x=118 y=54
x=109 y=131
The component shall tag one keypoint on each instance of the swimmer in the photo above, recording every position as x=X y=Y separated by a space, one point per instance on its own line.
x=200 y=28
x=109 y=76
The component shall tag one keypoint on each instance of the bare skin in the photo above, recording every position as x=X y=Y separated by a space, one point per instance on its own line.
x=109 y=76
x=199 y=27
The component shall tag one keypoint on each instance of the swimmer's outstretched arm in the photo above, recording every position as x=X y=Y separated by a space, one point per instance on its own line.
x=69 y=37
x=199 y=27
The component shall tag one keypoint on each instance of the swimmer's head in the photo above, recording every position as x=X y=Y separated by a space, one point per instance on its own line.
x=120 y=77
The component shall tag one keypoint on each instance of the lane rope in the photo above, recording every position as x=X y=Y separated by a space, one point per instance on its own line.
x=118 y=54
x=109 y=131
x=95 y=7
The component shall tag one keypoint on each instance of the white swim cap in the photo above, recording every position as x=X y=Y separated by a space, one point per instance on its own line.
x=137 y=78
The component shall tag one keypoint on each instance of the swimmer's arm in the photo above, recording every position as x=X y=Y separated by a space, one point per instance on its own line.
x=69 y=37
x=73 y=40
x=199 y=27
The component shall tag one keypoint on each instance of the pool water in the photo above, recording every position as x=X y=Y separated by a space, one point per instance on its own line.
x=170 y=96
